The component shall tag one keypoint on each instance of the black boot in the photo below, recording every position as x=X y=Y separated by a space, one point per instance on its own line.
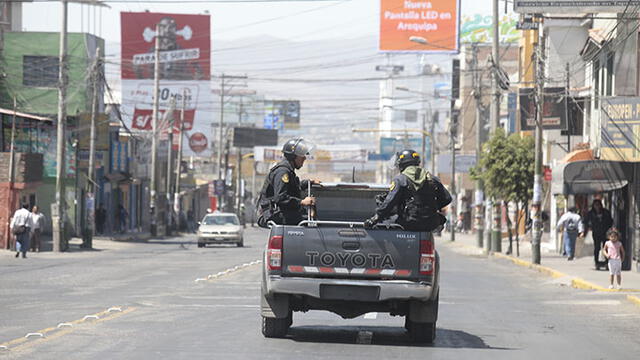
x=24 y=255
x=17 y=253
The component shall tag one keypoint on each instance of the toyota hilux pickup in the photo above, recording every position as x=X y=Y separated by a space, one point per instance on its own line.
x=332 y=262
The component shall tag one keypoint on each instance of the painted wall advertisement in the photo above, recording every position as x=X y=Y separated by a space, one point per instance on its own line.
x=185 y=72
x=620 y=129
x=435 y=23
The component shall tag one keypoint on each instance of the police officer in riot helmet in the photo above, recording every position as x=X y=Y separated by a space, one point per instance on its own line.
x=281 y=199
x=414 y=195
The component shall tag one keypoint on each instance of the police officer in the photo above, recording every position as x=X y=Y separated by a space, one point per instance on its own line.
x=281 y=198
x=414 y=195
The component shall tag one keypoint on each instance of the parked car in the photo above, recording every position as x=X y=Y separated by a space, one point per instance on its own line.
x=220 y=228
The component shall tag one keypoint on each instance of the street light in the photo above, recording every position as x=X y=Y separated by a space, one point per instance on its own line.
x=424 y=125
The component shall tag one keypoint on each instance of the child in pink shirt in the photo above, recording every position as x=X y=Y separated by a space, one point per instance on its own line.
x=614 y=251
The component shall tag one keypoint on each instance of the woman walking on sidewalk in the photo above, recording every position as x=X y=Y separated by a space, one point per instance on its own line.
x=614 y=251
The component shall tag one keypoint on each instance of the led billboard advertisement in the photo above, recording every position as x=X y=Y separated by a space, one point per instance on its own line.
x=419 y=26
x=185 y=72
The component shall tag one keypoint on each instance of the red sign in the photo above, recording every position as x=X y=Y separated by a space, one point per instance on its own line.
x=185 y=48
x=142 y=119
x=198 y=142
x=547 y=173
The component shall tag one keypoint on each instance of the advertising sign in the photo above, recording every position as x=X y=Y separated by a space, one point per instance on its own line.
x=434 y=22
x=479 y=29
x=250 y=137
x=573 y=6
x=620 y=129
x=282 y=114
x=553 y=109
x=185 y=72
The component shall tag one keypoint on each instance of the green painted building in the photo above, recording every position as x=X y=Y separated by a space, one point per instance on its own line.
x=29 y=62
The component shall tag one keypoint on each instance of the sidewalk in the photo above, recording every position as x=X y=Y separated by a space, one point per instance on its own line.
x=579 y=273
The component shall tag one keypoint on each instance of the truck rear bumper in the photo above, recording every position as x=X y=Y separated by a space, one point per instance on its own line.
x=387 y=289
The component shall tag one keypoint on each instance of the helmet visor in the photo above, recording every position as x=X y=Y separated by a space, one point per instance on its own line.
x=303 y=147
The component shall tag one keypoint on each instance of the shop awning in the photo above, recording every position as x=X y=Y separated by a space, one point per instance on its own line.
x=595 y=176
x=24 y=115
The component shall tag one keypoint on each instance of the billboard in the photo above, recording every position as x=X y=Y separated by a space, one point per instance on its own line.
x=250 y=137
x=574 y=6
x=282 y=114
x=479 y=28
x=436 y=22
x=554 y=115
x=620 y=130
x=185 y=72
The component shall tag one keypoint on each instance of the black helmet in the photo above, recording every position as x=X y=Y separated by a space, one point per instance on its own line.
x=406 y=158
x=296 y=147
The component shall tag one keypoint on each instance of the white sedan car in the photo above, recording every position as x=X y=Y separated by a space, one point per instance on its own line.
x=220 y=228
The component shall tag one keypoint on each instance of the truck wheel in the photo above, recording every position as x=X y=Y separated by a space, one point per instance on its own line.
x=276 y=328
x=421 y=332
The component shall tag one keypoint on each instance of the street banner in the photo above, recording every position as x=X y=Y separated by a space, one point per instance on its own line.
x=620 y=130
x=436 y=23
x=574 y=6
x=185 y=71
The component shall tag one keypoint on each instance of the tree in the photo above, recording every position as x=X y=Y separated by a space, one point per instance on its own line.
x=506 y=167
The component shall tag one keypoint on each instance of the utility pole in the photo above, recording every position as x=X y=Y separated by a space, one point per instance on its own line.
x=479 y=196
x=154 y=135
x=238 y=199
x=566 y=107
x=220 y=127
x=453 y=207
x=90 y=210
x=177 y=205
x=57 y=211
x=536 y=207
x=496 y=233
x=168 y=116
x=12 y=198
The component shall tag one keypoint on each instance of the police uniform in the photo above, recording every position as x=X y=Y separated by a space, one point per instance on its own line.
x=415 y=196
x=284 y=190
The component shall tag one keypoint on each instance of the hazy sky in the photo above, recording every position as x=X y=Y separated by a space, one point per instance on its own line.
x=286 y=20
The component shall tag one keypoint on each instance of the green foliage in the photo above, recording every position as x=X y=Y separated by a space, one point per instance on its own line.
x=506 y=167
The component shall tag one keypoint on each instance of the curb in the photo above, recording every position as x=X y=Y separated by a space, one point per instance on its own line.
x=576 y=282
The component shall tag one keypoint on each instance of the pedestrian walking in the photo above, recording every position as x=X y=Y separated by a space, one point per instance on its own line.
x=571 y=225
x=122 y=217
x=598 y=220
x=101 y=217
x=21 y=224
x=614 y=252
x=38 y=219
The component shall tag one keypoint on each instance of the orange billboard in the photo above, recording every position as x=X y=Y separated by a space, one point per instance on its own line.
x=419 y=26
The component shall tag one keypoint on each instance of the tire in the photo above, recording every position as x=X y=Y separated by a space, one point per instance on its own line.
x=276 y=328
x=421 y=332
x=201 y=244
x=240 y=243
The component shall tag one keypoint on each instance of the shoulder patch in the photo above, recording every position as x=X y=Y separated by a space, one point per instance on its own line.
x=392 y=186
x=285 y=178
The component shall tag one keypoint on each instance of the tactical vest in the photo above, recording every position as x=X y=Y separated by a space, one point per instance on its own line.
x=420 y=211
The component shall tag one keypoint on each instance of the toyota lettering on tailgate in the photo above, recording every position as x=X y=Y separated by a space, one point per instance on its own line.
x=344 y=259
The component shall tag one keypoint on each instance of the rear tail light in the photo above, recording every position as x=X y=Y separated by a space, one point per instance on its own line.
x=427 y=257
x=274 y=253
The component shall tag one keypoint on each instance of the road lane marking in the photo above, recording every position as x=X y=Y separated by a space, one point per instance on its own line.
x=228 y=271
x=371 y=315
x=60 y=330
x=583 y=302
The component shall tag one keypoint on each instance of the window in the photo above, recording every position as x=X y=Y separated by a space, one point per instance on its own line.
x=40 y=71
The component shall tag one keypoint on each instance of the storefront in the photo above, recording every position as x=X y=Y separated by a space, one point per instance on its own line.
x=610 y=181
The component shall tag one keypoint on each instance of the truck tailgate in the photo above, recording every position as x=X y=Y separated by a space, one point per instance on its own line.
x=351 y=252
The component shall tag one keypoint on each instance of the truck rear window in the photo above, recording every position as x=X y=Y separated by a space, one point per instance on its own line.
x=345 y=204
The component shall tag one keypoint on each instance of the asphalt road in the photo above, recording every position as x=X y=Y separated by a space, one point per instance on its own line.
x=489 y=309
